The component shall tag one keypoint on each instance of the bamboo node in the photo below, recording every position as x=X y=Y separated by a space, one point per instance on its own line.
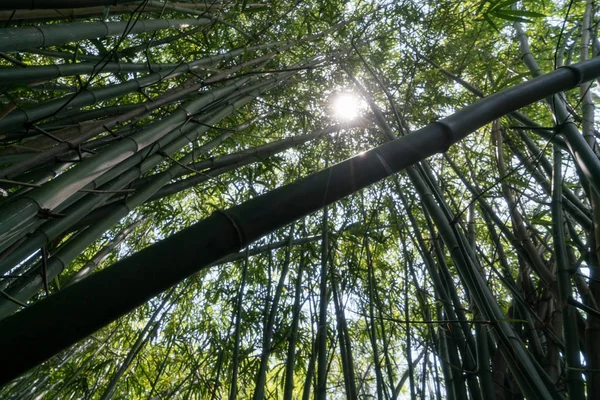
x=46 y=213
x=237 y=228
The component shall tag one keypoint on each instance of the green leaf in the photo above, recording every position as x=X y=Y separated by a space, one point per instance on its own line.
x=489 y=21
x=502 y=15
x=499 y=79
x=521 y=13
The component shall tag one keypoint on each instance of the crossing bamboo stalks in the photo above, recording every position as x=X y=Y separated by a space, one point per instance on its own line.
x=27 y=287
x=46 y=72
x=19 y=117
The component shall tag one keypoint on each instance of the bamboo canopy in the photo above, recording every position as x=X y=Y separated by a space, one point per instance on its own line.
x=293 y=200
x=225 y=232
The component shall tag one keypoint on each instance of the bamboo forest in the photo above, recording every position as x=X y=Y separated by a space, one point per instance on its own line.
x=297 y=199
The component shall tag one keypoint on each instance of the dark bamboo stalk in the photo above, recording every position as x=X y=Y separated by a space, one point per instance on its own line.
x=50 y=4
x=233 y=391
x=293 y=336
x=321 y=392
x=261 y=375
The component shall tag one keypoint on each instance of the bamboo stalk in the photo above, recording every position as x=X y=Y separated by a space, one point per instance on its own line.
x=261 y=374
x=233 y=392
x=49 y=4
x=321 y=389
x=573 y=366
x=21 y=38
x=54 y=13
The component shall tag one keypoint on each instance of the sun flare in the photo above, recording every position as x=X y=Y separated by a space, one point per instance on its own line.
x=346 y=106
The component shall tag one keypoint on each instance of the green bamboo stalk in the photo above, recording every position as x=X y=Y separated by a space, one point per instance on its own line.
x=526 y=250
x=233 y=392
x=441 y=217
x=575 y=383
x=414 y=176
x=321 y=390
x=483 y=361
x=47 y=72
x=261 y=374
x=453 y=314
x=218 y=165
x=48 y=196
x=53 y=228
x=372 y=329
x=571 y=203
x=172 y=188
x=87 y=306
x=96 y=11
x=78 y=55
x=101 y=255
x=293 y=335
x=408 y=350
x=593 y=323
x=74 y=136
x=143 y=337
x=520 y=232
x=18 y=39
x=26 y=288
x=48 y=4
x=343 y=339
x=527 y=374
x=310 y=371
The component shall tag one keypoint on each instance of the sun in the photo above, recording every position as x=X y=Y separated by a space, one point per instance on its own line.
x=346 y=106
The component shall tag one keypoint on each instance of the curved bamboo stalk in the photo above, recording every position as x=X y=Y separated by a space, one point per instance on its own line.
x=55 y=192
